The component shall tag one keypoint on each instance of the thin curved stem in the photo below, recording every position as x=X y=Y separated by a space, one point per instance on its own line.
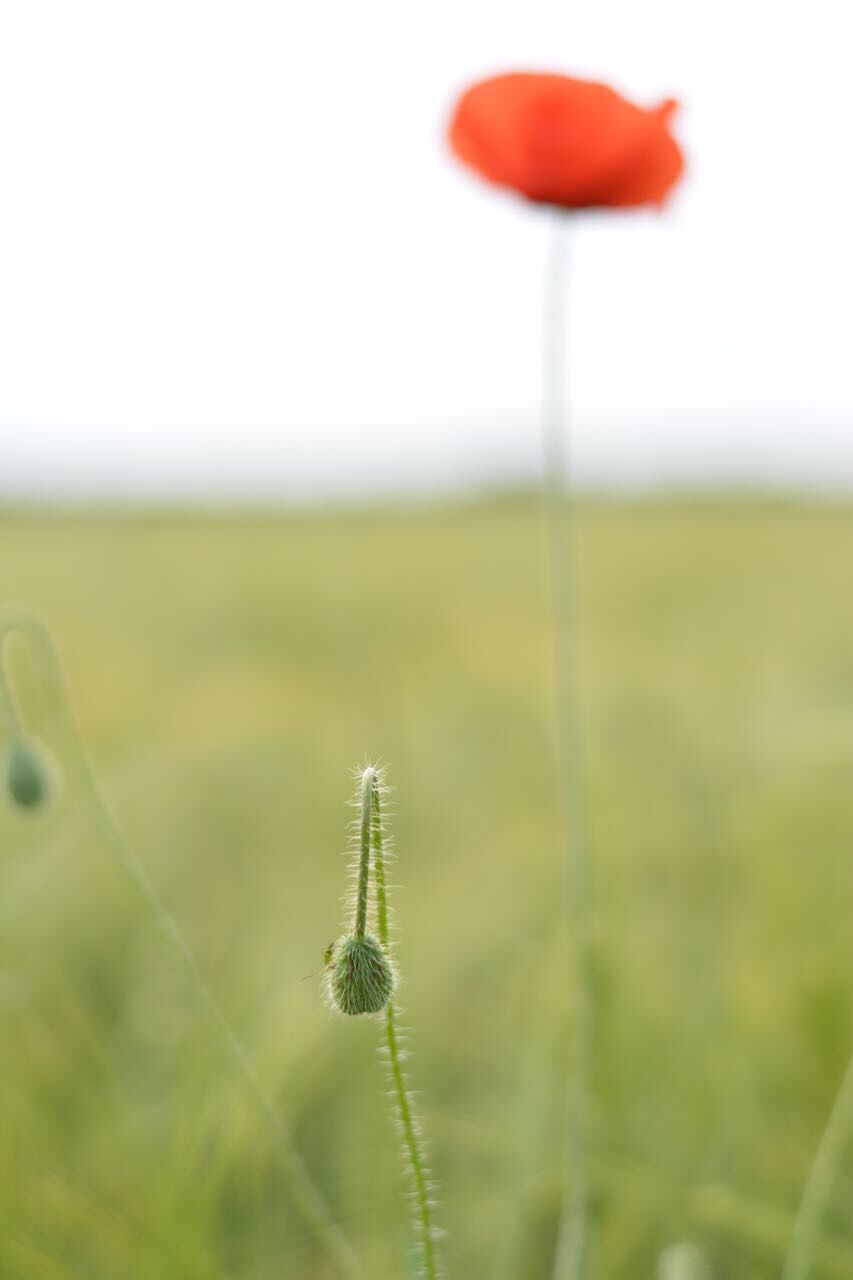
x=414 y=1154
x=9 y=717
x=570 y=1262
x=302 y=1187
x=819 y=1183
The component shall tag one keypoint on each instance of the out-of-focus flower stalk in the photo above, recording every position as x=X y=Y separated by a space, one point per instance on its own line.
x=570 y=1260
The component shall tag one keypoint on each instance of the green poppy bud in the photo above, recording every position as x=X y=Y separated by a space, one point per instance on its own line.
x=361 y=979
x=26 y=776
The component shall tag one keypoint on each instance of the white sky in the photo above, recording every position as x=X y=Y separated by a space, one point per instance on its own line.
x=234 y=255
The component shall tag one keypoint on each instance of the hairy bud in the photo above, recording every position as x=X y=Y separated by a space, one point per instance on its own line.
x=361 y=979
x=26 y=776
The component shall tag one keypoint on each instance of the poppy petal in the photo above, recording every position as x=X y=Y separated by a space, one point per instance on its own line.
x=562 y=141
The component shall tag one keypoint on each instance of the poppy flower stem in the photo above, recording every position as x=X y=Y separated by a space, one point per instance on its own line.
x=570 y=1261
x=305 y=1193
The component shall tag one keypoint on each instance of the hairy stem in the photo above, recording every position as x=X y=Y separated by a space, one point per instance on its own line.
x=570 y=1263
x=368 y=781
x=302 y=1187
x=819 y=1183
x=413 y=1151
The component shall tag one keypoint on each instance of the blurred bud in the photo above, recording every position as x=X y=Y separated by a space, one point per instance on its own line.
x=26 y=776
x=361 y=979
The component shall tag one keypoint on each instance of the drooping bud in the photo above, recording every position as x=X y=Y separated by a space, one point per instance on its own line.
x=361 y=978
x=26 y=776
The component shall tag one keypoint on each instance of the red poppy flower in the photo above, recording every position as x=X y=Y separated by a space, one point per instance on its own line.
x=572 y=143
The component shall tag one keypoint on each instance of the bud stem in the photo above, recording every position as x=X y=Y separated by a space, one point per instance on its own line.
x=368 y=782
x=413 y=1153
x=379 y=864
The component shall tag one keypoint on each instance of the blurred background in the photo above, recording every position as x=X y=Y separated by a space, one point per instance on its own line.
x=269 y=447
x=235 y=257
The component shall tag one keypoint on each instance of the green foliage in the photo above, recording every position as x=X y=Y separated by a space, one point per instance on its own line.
x=213 y=663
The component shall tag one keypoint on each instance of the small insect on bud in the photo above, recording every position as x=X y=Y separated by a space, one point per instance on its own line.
x=26 y=776
x=361 y=979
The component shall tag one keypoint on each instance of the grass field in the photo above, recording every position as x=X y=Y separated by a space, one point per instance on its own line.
x=228 y=673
